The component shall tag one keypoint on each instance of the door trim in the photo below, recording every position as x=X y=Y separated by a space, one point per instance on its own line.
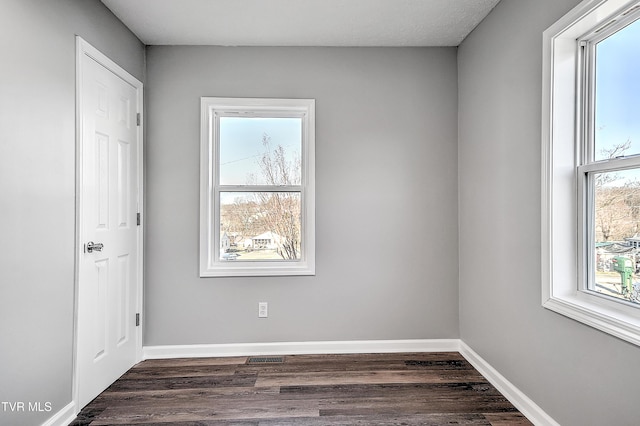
x=85 y=49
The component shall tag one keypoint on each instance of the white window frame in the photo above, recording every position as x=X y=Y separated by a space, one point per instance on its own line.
x=210 y=263
x=565 y=112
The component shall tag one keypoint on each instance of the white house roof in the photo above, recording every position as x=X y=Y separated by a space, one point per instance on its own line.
x=267 y=236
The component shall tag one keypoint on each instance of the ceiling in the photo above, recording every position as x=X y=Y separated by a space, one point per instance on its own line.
x=301 y=22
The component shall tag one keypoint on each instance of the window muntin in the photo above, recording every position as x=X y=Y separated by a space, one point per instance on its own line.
x=257 y=187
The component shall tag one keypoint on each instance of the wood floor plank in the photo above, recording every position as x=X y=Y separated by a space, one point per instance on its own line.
x=328 y=367
x=199 y=412
x=390 y=408
x=387 y=357
x=254 y=422
x=183 y=382
x=424 y=397
x=469 y=419
x=364 y=377
x=180 y=371
x=409 y=420
x=187 y=362
x=305 y=390
x=507 y=419
x=406 y=390
x=148 y=397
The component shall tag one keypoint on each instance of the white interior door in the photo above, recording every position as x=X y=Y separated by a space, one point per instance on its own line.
x=109 y=286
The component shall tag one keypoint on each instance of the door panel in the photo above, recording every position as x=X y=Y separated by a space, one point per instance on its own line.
x=124 y=185
x=98 y=296
x=101 y=170
x=122 y=293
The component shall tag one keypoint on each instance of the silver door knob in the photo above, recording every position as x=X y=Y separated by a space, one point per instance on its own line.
x=90 y=247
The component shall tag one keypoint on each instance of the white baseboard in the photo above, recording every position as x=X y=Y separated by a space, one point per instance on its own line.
x=300 y=348
x=62 y=417
x=524 y=404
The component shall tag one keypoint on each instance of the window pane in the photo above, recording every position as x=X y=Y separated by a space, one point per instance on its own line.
x=617 y=94
x=260 y=226
x=260 y=151
x=617 y=238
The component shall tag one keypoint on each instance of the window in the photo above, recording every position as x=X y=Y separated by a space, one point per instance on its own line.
x=257 y=187
x=591 y=166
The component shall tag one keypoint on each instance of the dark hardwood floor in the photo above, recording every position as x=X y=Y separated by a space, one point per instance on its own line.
x=372 y=389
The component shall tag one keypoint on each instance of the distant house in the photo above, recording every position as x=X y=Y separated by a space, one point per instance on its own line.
x=633 y=241
x=266 y=240
x=225 y=243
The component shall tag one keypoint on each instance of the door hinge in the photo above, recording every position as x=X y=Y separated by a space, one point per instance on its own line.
x=137 y=320
x=138 y=219
x=138 y=119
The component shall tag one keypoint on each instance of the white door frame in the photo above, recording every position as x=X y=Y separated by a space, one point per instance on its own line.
x=85 y=49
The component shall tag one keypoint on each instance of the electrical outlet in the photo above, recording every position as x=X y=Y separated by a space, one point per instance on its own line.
x=263 y=310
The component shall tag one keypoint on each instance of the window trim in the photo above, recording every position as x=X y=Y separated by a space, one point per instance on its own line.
x=563 y=124
x=210 y=264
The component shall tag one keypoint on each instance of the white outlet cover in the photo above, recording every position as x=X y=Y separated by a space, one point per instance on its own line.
x=263 y=310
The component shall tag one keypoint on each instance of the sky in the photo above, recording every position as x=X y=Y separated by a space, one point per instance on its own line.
x=617 y=114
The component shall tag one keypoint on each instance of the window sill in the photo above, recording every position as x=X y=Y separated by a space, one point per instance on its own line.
x=258 y=269
x=619 y=321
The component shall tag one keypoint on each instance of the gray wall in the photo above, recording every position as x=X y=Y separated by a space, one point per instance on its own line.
x=578 y=375
x=37 y=187
x=386 y=203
